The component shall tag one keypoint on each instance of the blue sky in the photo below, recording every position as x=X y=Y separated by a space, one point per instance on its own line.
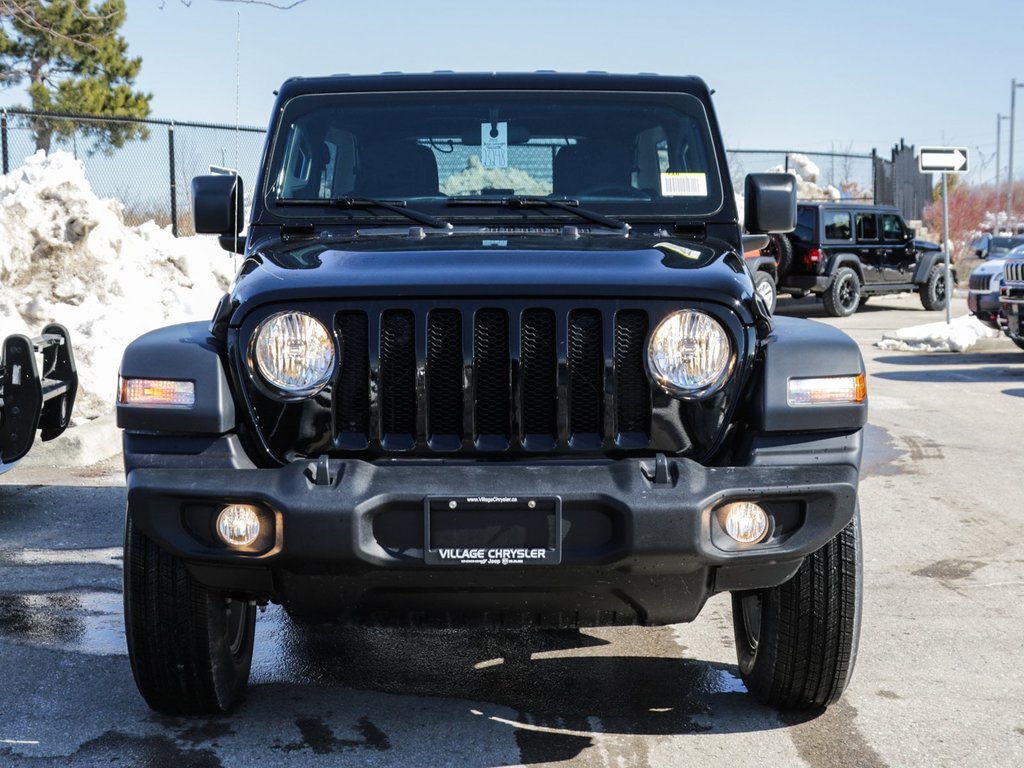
x=802 y=75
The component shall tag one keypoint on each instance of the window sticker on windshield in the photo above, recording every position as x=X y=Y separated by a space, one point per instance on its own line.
x=494 y=145
x=684 y=185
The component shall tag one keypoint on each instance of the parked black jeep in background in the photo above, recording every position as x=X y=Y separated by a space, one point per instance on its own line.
x=845 y=253
x=492 y=358
x=38 y=384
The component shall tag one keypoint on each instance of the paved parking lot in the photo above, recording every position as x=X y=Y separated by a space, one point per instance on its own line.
x=939 y=680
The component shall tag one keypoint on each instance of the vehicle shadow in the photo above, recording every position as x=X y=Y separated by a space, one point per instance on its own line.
x=555 y=689
x=813 y=308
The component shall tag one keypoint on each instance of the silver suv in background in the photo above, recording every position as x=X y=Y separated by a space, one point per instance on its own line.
x=985 y=282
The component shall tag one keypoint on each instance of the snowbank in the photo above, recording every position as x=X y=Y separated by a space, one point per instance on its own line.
x=959 y=336
x=807 y=173
x=67 y=256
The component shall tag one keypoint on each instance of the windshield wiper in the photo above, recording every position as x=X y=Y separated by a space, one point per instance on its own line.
x=537 y=201
x=398 y=207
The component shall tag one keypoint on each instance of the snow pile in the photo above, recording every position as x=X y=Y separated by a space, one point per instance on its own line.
x=67 y=256
x=475 y=178
x=959 y=336
x=807 y=174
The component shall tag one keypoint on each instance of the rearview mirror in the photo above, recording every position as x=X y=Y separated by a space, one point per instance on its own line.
x=769 y=203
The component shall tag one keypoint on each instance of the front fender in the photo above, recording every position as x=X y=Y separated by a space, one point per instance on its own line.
x=845 y=260
x=185 y=352
x=799 y=348
x=925 y=262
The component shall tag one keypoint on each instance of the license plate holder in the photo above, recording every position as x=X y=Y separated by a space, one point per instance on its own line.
x=492 y=530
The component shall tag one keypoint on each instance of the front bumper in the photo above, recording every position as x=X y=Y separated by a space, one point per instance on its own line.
x=639 y=542
x=984 y=306
x=1012 y=312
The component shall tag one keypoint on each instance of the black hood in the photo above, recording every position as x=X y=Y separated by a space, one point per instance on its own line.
x=293 y=272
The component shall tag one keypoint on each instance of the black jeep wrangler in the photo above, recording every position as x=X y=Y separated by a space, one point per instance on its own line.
x=492 y=358
x=845 y=253
x=38 y=384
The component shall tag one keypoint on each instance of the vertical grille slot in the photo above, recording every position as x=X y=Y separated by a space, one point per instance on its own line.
x=492 y=375
x=538 y=360
x=352 y=396
x=586 y=375
x=632 y=390
x=444 y=378
x=398 y=379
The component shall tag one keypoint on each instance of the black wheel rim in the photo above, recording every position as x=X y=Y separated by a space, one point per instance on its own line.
x=940 y=289
x=237 y=614
x=750 y=620
x=848 y=296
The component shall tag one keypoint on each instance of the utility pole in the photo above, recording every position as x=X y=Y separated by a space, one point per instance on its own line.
x=999 y=125
x=1014 y=85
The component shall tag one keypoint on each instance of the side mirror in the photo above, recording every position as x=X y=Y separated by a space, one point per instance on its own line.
x=911 y=233
x=769 y=203
x=980 y=253
x=218 y=205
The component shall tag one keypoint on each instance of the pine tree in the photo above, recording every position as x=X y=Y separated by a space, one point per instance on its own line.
x=74 y=61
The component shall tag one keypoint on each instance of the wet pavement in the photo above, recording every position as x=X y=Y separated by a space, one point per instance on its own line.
x=938 y=681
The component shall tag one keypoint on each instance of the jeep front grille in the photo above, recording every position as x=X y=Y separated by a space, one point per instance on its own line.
x=489 y=378
x=1013 y=272
x=980 y=283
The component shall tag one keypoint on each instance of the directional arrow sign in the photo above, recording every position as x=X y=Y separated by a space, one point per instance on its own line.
x=942 y=160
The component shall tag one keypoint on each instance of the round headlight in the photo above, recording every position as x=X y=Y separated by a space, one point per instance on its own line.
x=293 y=353
x=690 y=355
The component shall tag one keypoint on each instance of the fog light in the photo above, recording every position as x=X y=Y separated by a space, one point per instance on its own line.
x=744 y=521
x=238 y=525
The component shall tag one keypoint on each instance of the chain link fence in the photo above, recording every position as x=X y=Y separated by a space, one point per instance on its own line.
x=151 y=170
x=832 y=175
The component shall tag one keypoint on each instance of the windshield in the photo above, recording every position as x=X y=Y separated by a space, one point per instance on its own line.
x=636 y=153
x=1002 y=245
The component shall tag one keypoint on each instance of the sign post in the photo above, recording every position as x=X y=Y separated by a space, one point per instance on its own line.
x=944 y=160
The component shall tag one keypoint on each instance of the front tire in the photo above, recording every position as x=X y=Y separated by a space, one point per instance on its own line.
x=796 y=643
x=764 y=285
x=843 y=296
x=933 y=290
x=190 y=647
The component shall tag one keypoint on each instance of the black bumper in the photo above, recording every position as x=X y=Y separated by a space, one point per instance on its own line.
x=1013 y=312
x=639 y=543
